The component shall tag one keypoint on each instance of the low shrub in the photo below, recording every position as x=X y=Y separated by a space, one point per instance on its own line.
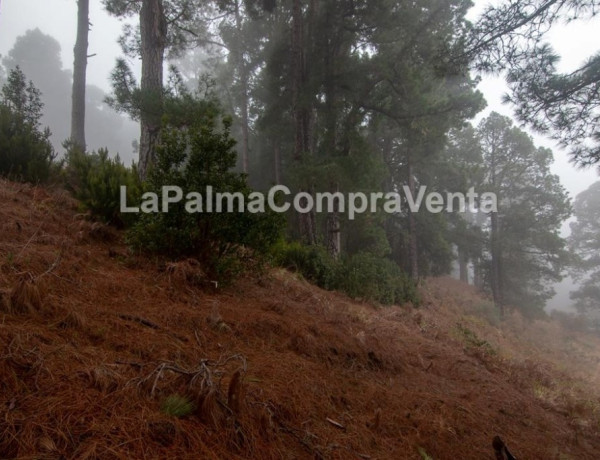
x=369 y=277
x=362 y=275
x=313 y=262
x=95 y=180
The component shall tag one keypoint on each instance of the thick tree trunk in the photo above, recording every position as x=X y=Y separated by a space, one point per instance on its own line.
x=79 y=74
x=412 y=228
x=153 y=28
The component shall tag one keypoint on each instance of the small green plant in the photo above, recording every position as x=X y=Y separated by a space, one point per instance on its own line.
x=177 y=406
x=423 y=453
x=472 y=340
x=10 y=259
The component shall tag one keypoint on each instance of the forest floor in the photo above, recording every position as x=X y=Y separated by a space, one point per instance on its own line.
x=98 y=348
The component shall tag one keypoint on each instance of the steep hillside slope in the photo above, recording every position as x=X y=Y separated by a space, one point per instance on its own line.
x=96 y=345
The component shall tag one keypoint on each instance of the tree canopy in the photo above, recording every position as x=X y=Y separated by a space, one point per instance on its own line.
x=511 y=36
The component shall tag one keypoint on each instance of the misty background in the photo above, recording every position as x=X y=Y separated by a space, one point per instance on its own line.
x=39 y=37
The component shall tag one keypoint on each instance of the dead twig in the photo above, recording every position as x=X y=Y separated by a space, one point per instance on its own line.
x=52 y=267
x=142 y=321
x=336 y=424
x=152 y=325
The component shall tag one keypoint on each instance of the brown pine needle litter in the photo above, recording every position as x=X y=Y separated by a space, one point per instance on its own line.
x=119 y=357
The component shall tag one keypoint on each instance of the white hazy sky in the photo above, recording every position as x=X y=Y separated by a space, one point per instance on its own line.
x=58 y=19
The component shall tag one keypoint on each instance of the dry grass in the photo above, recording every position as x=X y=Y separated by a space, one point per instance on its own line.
x=186 y=273
x=74 y=320
x=25 y=297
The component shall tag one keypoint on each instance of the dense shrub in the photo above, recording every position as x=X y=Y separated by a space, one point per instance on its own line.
x=95 y=180
x=362 y=275
x=194 y=157
x=25 y=149
x=367 y=276
x=313 y=262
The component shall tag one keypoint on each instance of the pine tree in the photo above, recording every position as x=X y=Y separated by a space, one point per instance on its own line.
x=525 y=252
x=585 y=243
x=164 y=27
x=511 y=37
x=25 y=149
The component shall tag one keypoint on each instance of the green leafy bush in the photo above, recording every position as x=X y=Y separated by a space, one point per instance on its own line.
x=313 y=262
x=362 y=275
x=25 y=149
x=95 y=179
x=194 y=157
x=369 y=277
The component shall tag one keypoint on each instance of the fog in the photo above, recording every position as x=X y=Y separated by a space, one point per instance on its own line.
x=41 y=36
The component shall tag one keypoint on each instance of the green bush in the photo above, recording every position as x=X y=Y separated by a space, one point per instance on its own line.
x=25 y=149
x=95 y=180
x=313 y=262
x=362 y=275
x=369 y=277
x=194 y=157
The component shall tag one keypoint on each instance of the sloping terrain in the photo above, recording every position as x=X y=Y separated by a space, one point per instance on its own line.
x=98 y=345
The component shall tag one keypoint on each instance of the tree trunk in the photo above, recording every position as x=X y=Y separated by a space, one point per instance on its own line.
x=495 y=249
x=243 y=75
x=153 y=28
x=412 y=228
x=331 y=112
x=477 y=281
x=333 y=228
x=79 y=74
x=297 y=68
x=301 y=115
x=496 y=269
x=277 y=161
x=463 y=265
